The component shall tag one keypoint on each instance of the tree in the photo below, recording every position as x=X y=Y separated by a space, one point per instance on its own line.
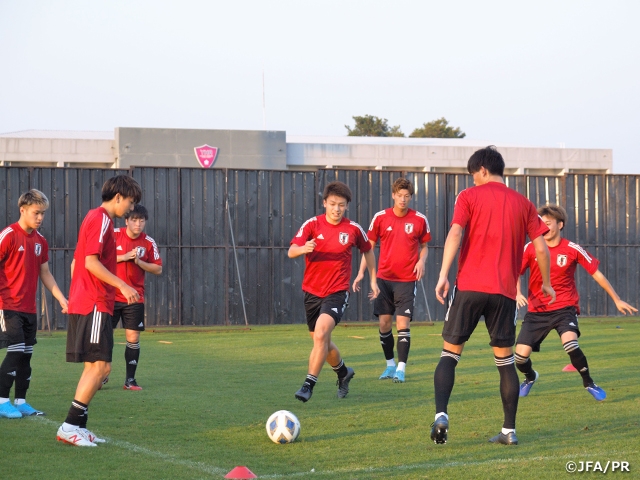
x=438 y=129
x=371 y=126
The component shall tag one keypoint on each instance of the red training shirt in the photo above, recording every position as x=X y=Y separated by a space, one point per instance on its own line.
x=496 y=221
x=565 y=258
x=328 y=267
x=400 y=241
x=128 y=271
x=21 y=255
x=95 y=237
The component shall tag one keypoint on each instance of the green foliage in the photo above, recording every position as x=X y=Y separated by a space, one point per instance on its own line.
x=209 y=391
x=438 y=129
x=371 y=126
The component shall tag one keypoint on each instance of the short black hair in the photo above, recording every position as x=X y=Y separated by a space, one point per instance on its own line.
x=138 y=212
x=402 y=184
x=123 y=185
x=487 y=157
x=338 y=189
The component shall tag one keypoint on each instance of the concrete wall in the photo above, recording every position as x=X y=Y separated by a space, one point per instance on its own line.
x=259 y=150
x=57 y=151
x=338 y=152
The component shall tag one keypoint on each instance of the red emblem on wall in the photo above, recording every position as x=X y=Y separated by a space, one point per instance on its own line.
x=206 y=155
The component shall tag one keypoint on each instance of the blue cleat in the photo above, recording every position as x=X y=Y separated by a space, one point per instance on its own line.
x=526 y=385
x=27 y=410
x=9 y=411
x=598 y=393
x=388 y=373
x=398 y=377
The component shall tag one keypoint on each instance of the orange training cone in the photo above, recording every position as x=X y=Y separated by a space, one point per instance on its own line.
x=569 y=368
x=240 y=472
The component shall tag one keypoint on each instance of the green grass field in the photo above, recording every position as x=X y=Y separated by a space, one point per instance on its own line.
x=208 y=393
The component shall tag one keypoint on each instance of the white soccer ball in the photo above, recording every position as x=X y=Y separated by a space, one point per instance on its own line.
x=283 y=427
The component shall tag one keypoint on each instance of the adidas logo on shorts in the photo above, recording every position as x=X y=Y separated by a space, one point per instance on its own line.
x=407 y=311
x=141 y=324
x=13 y=374
x=335 y=310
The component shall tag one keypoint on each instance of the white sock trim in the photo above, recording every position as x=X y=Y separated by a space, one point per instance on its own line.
x=506 y=431
x=401 y=367
x=440 y=415
x=391 y=363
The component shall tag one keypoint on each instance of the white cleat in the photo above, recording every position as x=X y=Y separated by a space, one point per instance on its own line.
x=76 y=437
x=93 y=437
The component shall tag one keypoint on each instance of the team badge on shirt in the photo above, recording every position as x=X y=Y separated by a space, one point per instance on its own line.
x=38 y=249
x=141 y=251
x=344 y=238
x=561 y=260
x=408 y=227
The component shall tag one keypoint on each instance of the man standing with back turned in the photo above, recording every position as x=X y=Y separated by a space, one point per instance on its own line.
x=495 y=221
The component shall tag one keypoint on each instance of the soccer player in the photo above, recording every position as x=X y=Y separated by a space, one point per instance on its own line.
x=563 y=314
x=24 y=257
x=326 y=241
x=495 y=221
x=403 y=235
x=137 y=254
x=91 y=300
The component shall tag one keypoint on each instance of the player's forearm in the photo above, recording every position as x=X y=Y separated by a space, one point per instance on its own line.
x=424 y=253
x=363 y=265
x=295 y=251
x=604 y=283
x=98 y=270
x=150 y=267
x=451 y=246
x=543 y=258
x=370 y=263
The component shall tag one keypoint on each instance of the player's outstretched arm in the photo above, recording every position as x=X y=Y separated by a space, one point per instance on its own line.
x=520 y=299
x=451 y=245
x=297 y=250
x=98 y=270
x=371 y=266
x=544 y=263
x=621 y=305
x=50 y=283
x=422 y=262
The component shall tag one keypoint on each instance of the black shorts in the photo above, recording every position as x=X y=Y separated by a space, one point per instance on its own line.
x=537 y=325
x=395 y=297
x=17 y=327
x=334 y=305
x=132 y=316
x=465 y=310
x=89 y=338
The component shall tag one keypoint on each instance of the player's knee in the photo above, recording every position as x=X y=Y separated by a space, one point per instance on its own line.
x=571 y=346
x=521 y=359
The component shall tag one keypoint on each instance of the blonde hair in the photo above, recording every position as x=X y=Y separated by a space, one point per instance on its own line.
x=33 y=197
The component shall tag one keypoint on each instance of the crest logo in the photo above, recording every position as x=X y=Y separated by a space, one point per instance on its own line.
x=141 y=251
x=38 y=249
x=344 y=238
x=561 y=260
x=206 y=155
x=408 y=227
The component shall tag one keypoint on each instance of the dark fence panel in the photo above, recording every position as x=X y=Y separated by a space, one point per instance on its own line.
x=224 y=234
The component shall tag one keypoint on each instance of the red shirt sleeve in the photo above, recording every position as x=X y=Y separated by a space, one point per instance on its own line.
x=535 y=225
x=6 y=244
x=589 y=263
x=362 y=241
x=461 y=211
x=426 y=234
x=94 y=235
x=153 y=253
x=305 y=233
x=372 y=234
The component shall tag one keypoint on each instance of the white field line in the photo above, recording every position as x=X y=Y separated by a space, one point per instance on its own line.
x=203 y=467
x=212 y=470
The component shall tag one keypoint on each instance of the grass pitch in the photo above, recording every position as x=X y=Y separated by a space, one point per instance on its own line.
x=208 y=393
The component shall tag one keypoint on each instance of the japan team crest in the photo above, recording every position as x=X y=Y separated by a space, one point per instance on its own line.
x=561 y=260
x=141 y=251
x=408 y=227
x=344 y=238
x=38 y=249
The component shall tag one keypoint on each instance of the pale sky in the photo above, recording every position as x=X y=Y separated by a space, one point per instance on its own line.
x=540 y=73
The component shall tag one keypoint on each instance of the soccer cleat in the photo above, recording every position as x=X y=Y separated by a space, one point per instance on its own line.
x=27 y=410
x=104 y=382
x=343 y=383
x=9 y=411
x=388 y=372
x=399 y=377
x=92 y=436
x=304 y=394
x=131 y=384
x=598 y=393
x=526 y=385
x=76 y=437
x=439 y=430
x=508 y=439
